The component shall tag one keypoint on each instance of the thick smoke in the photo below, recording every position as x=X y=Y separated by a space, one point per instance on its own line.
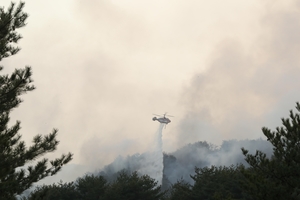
x=150 y=162
x=181 y=163
x=245 y=87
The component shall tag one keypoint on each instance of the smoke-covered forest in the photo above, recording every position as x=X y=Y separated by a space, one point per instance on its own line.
x=179 y=165
x=260 y=170
x=246 y=169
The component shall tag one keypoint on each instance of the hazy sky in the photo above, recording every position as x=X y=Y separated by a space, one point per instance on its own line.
x=223 y=68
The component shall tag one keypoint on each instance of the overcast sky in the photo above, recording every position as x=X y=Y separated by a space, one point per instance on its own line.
x=224 y=69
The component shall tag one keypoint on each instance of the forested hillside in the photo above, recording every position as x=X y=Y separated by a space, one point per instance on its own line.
x=272 y=174
x=181 y=163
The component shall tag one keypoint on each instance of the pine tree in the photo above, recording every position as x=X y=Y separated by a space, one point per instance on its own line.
x=14 y=177
x=132 y=186
x=218 y=183
x=91 y=187
x=277 y=177
x=54 y=192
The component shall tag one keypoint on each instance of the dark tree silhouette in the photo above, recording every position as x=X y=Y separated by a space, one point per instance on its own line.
x=277 y=177
x=14 y=176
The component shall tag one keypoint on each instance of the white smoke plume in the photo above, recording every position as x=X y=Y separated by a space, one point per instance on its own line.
x=152 y=163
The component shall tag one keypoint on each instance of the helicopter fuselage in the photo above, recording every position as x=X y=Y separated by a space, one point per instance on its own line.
x=163 y=120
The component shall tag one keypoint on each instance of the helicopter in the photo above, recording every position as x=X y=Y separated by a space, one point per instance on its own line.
x=163 y=120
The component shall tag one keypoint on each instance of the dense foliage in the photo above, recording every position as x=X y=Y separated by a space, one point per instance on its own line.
x=212 y=183
x=14 y=155
x=127 y=186
x=277 y=177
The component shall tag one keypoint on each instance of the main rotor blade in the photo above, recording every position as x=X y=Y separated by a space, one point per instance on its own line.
x=169 y=115
x=156 y=115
